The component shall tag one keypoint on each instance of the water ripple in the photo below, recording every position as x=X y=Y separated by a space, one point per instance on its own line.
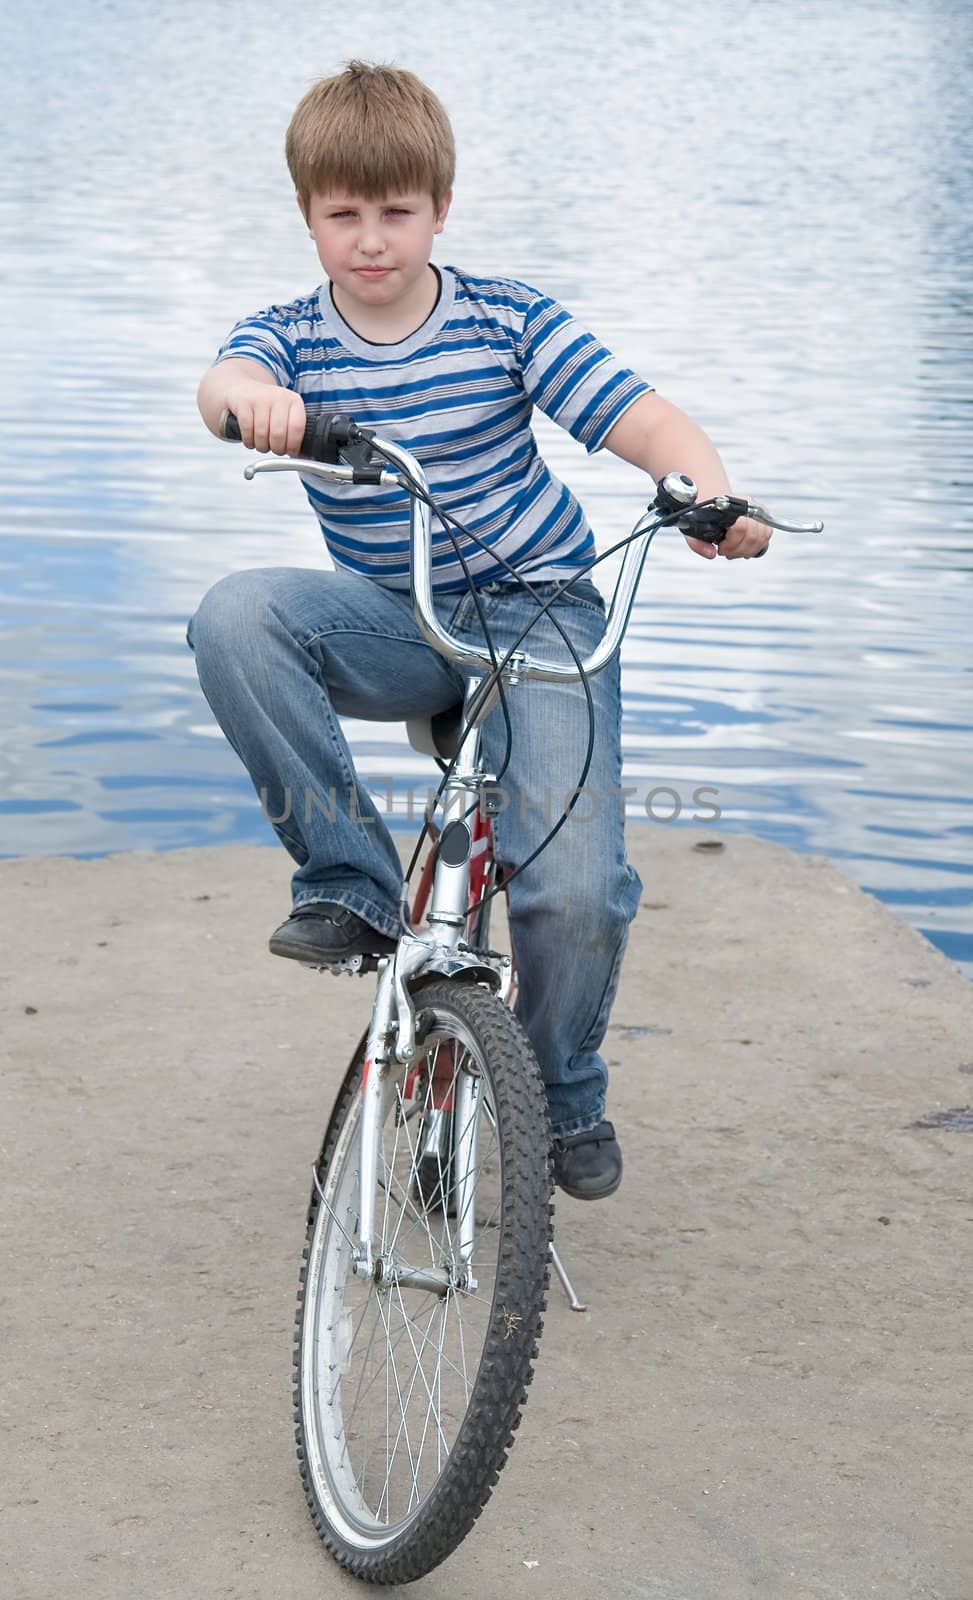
x=796 y=276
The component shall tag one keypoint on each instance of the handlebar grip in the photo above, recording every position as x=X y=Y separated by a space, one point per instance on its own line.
x=712 y=523
x=325 y=434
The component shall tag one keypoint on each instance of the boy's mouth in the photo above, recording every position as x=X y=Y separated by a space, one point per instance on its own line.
x=372 y=272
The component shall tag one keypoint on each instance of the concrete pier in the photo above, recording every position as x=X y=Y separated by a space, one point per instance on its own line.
x=771 y=1392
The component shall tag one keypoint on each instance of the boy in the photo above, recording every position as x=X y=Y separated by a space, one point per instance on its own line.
x=450 y=365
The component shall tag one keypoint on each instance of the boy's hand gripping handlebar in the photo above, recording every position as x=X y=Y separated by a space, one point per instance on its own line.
x=330 y=439
x=336 y=450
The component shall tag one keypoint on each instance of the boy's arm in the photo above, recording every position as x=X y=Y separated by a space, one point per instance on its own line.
x=659 y=438
x=270 y=418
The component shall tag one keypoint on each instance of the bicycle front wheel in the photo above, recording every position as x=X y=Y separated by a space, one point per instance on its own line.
x=410 y=1384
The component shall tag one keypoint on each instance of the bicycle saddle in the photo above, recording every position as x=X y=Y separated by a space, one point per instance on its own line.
x=437 y=735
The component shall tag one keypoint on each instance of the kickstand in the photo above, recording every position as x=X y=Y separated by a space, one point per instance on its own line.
x=566 y=1283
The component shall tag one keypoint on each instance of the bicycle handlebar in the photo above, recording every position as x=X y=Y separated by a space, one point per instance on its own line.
x=336 y=450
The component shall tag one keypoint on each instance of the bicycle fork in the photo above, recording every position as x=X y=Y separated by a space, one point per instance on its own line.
x=378 y=1082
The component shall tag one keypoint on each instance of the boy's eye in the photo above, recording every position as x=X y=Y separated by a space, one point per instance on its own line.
x=391 y=211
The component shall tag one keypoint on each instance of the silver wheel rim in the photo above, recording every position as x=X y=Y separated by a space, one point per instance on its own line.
x=387 y=1371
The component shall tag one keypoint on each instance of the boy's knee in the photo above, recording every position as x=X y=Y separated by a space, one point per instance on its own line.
x=228 y=612
x=593 y=907
x=600 y=913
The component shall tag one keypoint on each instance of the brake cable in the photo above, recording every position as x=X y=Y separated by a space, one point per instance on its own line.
x=668 y=519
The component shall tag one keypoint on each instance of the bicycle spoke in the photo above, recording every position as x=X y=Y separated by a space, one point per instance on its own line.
x=368 y=1351
x=406 y=1204
x=413 y=1324
x=420 y=1370
x=368 y=1386
x=462 y=1348
x=403 y=1428
x=351 y=1345
x=415 y=1160
x=413 y=1149
x=438 y=1387
x=348 y=1421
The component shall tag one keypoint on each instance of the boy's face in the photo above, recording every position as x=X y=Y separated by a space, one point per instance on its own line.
x=375 y=250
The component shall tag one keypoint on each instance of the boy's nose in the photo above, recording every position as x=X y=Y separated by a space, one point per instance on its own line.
x=370 y=242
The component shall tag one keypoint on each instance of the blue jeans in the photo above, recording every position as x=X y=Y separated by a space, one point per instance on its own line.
x=282 y=653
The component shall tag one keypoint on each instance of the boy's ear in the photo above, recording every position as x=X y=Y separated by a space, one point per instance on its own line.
x=441 y=214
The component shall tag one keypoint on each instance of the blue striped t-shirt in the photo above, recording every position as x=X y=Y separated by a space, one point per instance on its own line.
x=458 y=393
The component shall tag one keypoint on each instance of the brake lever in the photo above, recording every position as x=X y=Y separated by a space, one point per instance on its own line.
x=761 y=514
x=341 y=473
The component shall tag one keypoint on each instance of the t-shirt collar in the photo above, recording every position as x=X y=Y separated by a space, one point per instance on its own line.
x=417 y=340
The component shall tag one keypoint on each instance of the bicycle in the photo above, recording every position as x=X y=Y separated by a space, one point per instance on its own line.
x=429 y=1236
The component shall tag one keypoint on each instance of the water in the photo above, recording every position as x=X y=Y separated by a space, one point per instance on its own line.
x=765 y=208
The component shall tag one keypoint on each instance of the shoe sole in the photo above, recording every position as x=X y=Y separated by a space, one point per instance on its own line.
x=598 y=1194
x=345 y=961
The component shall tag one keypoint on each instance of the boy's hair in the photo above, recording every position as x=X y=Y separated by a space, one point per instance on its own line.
x=370 y=130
